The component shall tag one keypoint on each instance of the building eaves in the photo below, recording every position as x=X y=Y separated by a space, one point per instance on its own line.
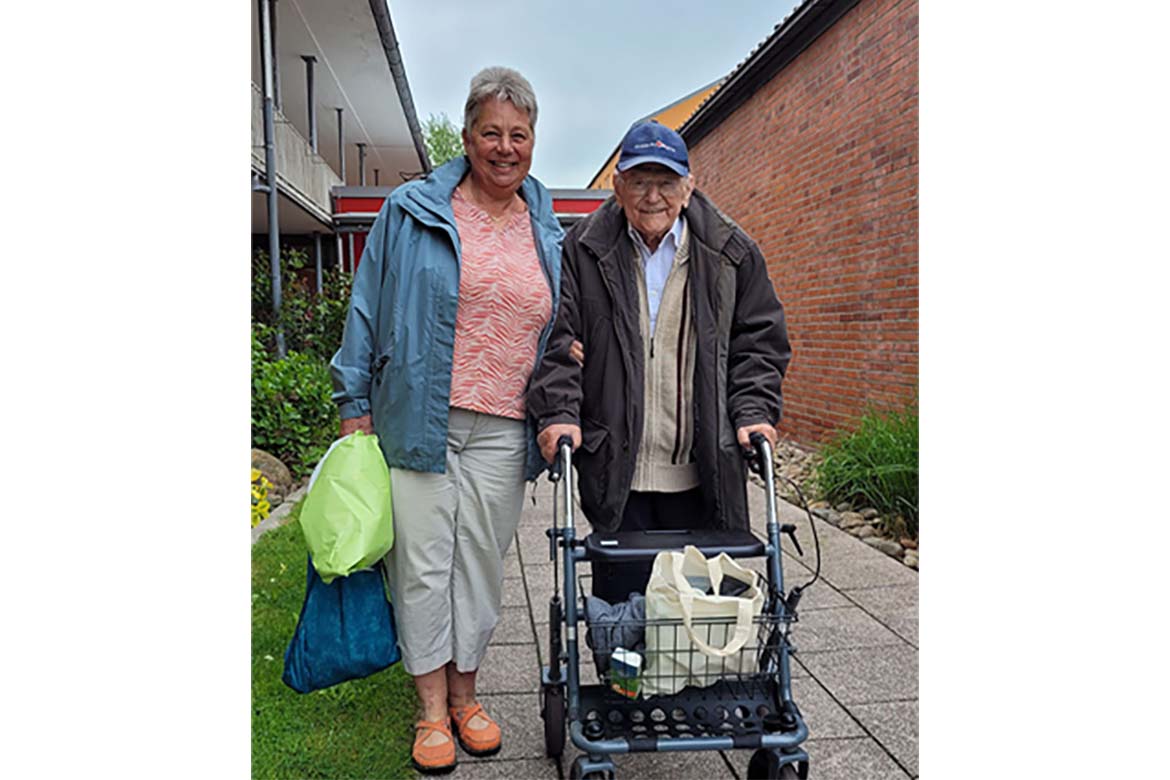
x=653 y=114
x=796 y=32
x=381 y=13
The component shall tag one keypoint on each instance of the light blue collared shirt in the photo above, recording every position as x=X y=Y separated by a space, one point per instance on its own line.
x=657 y=264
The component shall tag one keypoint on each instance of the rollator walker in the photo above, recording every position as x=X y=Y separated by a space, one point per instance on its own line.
x=749 y=701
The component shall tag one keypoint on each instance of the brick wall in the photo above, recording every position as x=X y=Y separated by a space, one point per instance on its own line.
x=820 y=167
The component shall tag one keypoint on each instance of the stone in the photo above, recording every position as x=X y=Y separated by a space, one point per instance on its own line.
x=908 y=543
x=851 y=520
x=896 y=527
x=888 y=546
x=911 y=559
x=819 y=504
x=271 y=467
x=844 y=506
x=865 y=531
x=869 y=513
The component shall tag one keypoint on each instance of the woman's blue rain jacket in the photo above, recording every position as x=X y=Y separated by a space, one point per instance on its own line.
x=395 y=358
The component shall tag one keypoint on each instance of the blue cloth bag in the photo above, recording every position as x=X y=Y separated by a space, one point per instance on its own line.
x=345 y=631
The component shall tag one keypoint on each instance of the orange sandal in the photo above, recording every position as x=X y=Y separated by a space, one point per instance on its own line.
x=433 y=759
x=483 y=741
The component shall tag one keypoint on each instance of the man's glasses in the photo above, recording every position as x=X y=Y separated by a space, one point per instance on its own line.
x=668 y=187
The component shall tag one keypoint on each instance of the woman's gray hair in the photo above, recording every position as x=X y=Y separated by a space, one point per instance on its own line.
x=502 y=84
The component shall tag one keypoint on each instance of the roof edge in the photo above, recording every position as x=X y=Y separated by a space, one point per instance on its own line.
x=381 y=12
x=803 y=26
x=667 y=107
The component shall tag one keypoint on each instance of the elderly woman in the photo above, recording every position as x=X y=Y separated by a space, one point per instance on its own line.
x=452 y=306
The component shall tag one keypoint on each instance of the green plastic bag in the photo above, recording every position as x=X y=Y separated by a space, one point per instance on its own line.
x=347 y=517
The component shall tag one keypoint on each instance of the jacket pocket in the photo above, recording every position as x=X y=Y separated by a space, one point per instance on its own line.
x=592 y=435
x=378 y=366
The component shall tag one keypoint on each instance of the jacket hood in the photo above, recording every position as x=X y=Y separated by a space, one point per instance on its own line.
x=707 y=223
x=433 y=194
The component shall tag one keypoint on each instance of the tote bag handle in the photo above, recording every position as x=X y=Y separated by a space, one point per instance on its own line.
x=686 y=598
x=743 y=625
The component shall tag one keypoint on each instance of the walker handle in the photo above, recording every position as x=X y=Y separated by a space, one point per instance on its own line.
x=761 y=453
x=562 y=459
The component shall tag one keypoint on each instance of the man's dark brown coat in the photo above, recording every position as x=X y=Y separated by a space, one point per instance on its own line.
x=742 y=354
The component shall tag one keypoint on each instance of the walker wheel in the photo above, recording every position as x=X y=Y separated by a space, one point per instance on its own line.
x=575 y=774
x=552 y=709
x=765 y=765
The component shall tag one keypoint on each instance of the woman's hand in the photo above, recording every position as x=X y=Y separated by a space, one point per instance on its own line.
x=364 y=424
x=577 y=352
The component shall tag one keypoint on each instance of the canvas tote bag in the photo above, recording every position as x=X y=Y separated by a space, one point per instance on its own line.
x=705 y=639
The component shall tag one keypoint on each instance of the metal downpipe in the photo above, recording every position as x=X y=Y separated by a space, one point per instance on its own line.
x=310 y=60
x=270 y=169
x=341 y=144
x=317 y=258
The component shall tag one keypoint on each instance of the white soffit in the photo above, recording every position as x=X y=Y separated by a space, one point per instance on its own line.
x=351 y=72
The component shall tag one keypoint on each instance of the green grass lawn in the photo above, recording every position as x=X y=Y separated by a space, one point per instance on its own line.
x=359 y=729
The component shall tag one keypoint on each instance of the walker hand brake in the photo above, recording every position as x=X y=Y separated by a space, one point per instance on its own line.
x=790 y=529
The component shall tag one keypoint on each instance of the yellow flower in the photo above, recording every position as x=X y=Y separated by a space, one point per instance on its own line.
x=260 y=504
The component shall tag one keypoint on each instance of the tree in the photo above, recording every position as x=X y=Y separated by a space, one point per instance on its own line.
x=442 y=139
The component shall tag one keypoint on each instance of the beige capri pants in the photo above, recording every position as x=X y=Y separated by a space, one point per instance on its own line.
x=450 y=534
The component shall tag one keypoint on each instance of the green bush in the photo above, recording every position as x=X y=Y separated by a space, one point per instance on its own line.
x=293 y=416
x=312 y=322
x=875 y=465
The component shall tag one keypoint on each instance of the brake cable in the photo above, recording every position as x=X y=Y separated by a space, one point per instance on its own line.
x=793 y=595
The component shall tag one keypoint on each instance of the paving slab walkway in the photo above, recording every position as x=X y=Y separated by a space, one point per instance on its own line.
x=855 y=672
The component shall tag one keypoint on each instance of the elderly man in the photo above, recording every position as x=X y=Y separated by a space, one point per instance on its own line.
x=684 y=346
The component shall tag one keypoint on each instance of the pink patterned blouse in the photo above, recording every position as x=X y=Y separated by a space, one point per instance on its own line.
x=504 y=303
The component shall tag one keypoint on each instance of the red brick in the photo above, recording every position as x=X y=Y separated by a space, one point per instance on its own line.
x=831 y=197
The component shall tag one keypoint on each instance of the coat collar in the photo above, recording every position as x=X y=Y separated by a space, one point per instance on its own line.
x=433 y=194
x=708 y=226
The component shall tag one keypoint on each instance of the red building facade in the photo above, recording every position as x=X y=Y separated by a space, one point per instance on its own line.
x=818 y=162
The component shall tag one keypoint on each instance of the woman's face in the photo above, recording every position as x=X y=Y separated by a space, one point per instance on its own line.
x=499 y=146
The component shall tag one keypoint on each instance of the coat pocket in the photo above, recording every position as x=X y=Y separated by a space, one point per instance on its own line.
x=378 y=367
x=593 y=434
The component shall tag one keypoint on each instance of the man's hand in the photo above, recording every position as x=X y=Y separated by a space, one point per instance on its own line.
x=547 y=439
x=743 y=434
x=364 y=424
x=577 y=352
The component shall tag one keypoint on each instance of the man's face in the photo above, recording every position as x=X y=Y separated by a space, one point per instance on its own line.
x=652 y=196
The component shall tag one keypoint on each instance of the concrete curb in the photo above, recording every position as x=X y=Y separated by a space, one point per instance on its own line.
x=279 y=515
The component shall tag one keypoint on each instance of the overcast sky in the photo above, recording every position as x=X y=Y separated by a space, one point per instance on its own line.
x=596 y=66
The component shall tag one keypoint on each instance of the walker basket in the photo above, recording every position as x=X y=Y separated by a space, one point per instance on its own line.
x=731 y=696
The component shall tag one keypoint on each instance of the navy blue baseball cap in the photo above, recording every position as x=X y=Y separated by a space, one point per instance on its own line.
x=651 y=142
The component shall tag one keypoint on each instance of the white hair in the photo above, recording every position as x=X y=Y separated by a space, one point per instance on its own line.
x=502 y=84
